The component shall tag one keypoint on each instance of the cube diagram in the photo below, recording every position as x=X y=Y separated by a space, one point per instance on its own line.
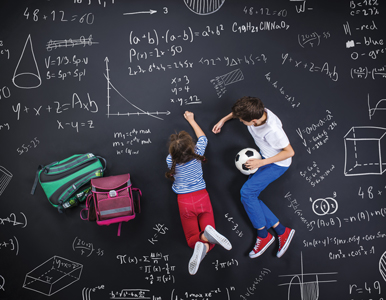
x=53 y=275
x=365 y=151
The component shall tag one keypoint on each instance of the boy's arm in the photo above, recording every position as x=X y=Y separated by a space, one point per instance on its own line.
x=254 y=163
x=217 y=128
x=189 y=116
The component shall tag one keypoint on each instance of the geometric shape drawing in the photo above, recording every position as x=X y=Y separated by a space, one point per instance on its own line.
x=308 y=290
x=324 y=206
x=139 y=110
x=204 y=7
x=5 y=178
x=221 y=81
x=53 y=275
x=382 y=266
x=26 y=75
x=377 y=107
x=365 y=151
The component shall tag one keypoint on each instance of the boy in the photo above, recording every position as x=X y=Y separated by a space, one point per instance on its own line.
x=276 y=151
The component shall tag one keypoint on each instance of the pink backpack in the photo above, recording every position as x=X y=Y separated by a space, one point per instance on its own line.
x=112 y=201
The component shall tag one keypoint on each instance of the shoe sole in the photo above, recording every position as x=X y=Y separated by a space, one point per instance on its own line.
x=195 y=260
x=287 y=243
x=263 y=250
x=221 y=240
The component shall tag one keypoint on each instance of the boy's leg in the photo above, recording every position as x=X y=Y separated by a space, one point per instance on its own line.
x=259 y=214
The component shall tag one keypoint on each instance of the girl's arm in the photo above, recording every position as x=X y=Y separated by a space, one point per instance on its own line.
x=189 y=116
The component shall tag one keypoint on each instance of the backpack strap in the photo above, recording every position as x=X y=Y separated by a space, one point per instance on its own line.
x=40 y=167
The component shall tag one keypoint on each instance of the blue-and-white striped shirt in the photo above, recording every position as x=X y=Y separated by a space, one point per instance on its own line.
x=189 y=177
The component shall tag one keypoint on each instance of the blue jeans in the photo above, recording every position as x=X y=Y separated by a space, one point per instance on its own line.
x=259 y=214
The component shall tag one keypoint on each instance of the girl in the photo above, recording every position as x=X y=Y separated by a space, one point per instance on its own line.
x=185 y=170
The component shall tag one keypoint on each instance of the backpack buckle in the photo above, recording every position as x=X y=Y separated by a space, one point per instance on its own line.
x=112 y=193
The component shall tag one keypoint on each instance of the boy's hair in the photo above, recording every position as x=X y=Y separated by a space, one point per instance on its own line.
x=248 y=108
x=181 y=149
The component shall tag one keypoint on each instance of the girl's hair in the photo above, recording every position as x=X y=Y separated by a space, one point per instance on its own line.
x=181 y=149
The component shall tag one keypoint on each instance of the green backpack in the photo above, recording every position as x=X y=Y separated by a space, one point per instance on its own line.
x=66 y=183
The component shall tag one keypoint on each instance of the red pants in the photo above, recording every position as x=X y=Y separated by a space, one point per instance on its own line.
x=196 y=213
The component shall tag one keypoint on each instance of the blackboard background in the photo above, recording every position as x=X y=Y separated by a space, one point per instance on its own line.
x=343 y=100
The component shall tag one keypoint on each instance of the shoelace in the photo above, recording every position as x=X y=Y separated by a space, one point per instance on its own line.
x=257 y=244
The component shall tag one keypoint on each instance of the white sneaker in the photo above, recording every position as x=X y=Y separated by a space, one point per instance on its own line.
x=198 y=255
x=214 y=237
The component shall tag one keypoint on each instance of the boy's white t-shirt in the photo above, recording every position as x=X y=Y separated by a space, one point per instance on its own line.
x=271 y=138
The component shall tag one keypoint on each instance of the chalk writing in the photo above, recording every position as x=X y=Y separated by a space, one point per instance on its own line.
x=157 y=53
x=221 y=265
x=139 y=110
x=256 y=281
x=290 y=99
x=186 y=64
x=5 y=92
x=366 y=215
x=237 y=231
x=33 y=73
x=264 y=11
x=336 y=241
x=301 y=8
x=312 y=39
x=90 y=2
x=86 y=292
x=364 y=161
x=53 y=275
x=220 y=82
x=379 y=106
x=234 y=61
x=4 y=51
x=85 y=248
x=363 y=290
x=150 y=264
x=11 y=244
x=382 y=265
x=351 y=253
x=262 y=26
x=12 y=219
x=312 y=67
x=325 y=123
x=308 y=283
x=370 y=192
x=36 y=15
x=299 y=212
x=75 y=125
x=58 y=107
x=367 y=73
x=77 y=74
x=203 y=295
x=151 y=11
x=25 y=147
x=2 y=283
x=131 y=294
x=313 y=175
x=82 y=41
x=202 y=7
x=160 y=229
x=5 y=178
x=324 y=206
x=131 y=138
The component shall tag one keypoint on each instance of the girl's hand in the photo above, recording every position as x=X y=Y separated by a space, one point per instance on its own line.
x=189 y=116
x=254 y=163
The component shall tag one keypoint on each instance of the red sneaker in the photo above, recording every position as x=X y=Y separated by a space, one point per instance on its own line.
x=284 y=241
x=261 y=245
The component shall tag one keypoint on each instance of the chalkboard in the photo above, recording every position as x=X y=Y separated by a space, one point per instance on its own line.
x=114 y=78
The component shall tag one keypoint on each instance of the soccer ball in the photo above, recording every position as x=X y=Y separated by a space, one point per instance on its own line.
x=242 y=157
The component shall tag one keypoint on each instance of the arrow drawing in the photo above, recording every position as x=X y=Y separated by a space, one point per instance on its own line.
x=138 y=113
x=151 y=11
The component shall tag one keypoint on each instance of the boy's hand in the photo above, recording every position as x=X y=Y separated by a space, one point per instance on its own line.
x=217 y=128
x=189 y=116
x=254 y=163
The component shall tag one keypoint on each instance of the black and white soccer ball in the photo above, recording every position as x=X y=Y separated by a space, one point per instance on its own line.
x=243 y=156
